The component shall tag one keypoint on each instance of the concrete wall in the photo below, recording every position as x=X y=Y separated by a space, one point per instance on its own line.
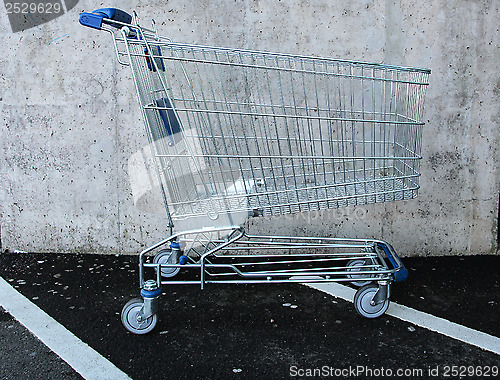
x=70 y=121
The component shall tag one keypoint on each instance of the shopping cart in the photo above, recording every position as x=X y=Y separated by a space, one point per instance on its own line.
x=237 y=133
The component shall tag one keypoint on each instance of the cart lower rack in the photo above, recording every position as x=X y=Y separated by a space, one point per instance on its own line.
x=238 y=133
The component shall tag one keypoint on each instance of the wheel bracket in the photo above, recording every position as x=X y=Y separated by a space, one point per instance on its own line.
x=382 y=293
x=149 y=308
x=150 y=294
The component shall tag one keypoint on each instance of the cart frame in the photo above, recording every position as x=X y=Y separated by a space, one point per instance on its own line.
x=321 y=167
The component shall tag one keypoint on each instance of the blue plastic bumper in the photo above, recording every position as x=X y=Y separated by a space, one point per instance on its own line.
x=402 y=273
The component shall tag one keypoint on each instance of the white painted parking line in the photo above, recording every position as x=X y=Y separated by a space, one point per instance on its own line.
x=419 y=318
x=80 y=356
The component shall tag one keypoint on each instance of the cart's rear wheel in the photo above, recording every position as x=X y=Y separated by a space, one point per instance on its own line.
x=129 y=318
x=363 y=299
x=166 y=256
x=355 y=266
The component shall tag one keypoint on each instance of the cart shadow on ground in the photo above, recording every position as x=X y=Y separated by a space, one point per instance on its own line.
x=261 y=331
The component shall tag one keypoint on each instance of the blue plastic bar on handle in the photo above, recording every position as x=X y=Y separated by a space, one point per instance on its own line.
x=97 y=17
x=402 y=273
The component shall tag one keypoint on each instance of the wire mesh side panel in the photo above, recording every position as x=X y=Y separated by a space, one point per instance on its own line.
x=236 y=130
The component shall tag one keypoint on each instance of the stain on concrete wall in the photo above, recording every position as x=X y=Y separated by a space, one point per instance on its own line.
x=70 y=121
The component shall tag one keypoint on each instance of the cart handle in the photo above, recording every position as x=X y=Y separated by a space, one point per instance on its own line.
x=96 y=18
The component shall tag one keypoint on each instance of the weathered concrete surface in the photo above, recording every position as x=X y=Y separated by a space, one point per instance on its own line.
x=70 y=120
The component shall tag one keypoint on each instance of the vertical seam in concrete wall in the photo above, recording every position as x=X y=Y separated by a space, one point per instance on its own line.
x=394 y=33
x=116 y=158
x=498 y=224
x=118 y=170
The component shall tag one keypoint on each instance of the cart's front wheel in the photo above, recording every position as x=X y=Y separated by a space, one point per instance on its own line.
x=354 y=266
x=130 y=321
x=363 y=302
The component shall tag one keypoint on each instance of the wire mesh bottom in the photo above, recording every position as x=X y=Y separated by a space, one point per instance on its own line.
x=289 y=201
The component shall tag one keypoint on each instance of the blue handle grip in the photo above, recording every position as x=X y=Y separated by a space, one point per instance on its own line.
x=96 y=18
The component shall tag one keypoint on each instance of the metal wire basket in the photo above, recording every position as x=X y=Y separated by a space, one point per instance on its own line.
x=238 y=130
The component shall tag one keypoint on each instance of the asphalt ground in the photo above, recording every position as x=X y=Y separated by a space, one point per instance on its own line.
x=25 y=357
x=268 y=331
